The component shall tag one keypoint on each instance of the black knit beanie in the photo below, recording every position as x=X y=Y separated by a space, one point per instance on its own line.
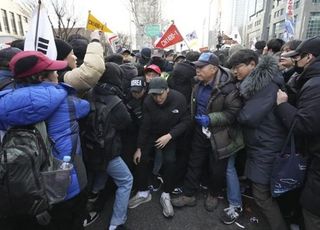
x=115 y=58
x=112 y=75
x=79 y=48
x=63 y=49
x=6 y=55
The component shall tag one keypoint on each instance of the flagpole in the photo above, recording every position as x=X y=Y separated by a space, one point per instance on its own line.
x=37 y=27
x=186 y=43
x=89 y=12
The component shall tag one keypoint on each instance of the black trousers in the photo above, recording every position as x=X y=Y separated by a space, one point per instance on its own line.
x=67 y=215
x=312 y=222
x=182 y=153
x=202 y=156
x=144 y=168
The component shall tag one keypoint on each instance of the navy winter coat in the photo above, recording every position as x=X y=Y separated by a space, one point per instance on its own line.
x=264 y=134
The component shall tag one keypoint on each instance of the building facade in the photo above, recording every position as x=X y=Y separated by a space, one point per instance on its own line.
x=13 y=23
x=227 y=17
x=258 y=21
x=267 y=18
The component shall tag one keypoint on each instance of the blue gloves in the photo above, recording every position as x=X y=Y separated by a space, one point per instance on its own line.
x=203 y=120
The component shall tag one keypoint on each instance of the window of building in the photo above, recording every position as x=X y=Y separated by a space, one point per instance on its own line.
x=5 y=20
x=26 y=20
x=313 y=25
x=13 y=23
x=315 y=1
x=296 y=4
x=278 y=27
x=281 y=11
x=20 y=25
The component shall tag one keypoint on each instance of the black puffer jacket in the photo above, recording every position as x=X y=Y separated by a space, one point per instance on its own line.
x=264 y=134
x=306 y=113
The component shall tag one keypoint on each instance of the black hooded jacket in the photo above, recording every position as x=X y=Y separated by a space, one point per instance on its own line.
x=264 y=133
x=108 y=90
x=307 y=128
x=181 y=79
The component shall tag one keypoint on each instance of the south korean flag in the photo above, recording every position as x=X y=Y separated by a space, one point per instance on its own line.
x=40 y=35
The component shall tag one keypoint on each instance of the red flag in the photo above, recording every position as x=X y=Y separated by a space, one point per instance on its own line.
x=170 y=37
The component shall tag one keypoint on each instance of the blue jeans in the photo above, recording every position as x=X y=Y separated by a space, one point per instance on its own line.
x=122 y=177
x=233 y=186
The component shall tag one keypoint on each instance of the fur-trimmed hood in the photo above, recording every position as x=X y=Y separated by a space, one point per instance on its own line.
x=265 y=72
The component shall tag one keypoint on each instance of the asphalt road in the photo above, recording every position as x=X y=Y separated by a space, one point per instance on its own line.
x=149 y=216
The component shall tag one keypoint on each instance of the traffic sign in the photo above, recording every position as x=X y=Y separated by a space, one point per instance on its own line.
x=152 y=30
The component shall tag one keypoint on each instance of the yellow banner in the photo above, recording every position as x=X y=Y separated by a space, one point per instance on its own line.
x=95 y=24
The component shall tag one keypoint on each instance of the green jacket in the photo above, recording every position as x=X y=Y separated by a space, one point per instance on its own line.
x=223 y=107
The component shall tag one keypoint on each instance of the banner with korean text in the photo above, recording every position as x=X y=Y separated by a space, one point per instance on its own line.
x=94 y=24
x=170 y=37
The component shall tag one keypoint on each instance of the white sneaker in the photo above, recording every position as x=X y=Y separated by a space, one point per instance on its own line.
x=136 y=200
x=167 y=208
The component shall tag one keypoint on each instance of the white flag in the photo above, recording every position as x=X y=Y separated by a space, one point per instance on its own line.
x=191 y=36
x=40 y=35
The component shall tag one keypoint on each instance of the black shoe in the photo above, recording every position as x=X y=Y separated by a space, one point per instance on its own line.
x=156 y=184
x=92 y=197
x=211 y=203
x=177 y=191
x=91 y=217
x=231 y=214
x=122 y=227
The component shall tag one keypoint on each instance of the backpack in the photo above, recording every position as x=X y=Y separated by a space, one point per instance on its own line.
x=23 y=155
x=98 y=134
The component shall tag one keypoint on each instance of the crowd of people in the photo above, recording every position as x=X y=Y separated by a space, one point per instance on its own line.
x=174 y=122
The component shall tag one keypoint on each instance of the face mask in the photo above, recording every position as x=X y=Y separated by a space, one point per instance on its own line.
x=297 y=68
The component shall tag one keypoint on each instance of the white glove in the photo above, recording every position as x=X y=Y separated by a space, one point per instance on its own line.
x=95 y=35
